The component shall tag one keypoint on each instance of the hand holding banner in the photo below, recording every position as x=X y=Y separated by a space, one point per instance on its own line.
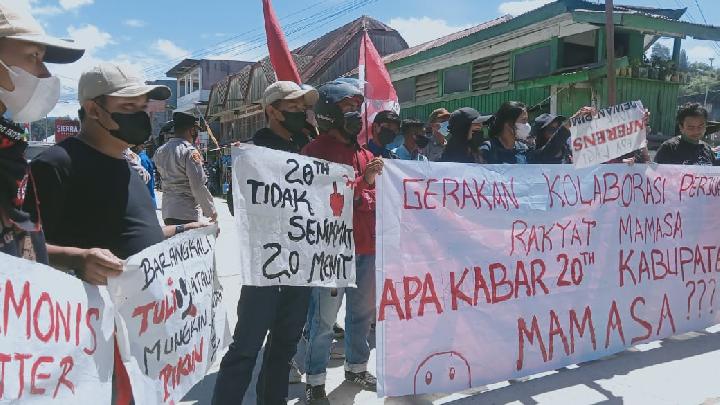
x=294 y=215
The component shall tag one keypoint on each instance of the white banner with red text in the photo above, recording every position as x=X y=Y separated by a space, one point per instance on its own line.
x=488 y=273
x=171 y=319
x=56 y=344
x=294 y=215
x=610 y=133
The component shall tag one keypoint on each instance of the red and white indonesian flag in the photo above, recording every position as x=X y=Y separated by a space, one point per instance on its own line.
x=378 y=90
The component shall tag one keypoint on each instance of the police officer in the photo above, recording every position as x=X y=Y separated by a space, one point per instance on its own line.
x=181 y=168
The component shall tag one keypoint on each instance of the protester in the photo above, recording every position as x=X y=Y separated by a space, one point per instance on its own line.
x=414 y=140
x=438 y=128
x=688 y=148
x=508 y=126
x=340 y=122
x=27 y=93
x=544 y=128
x=100 y=211
x=149 y=166
x=281 y=310
x=184 y=180
x=464 y=126
x=385 y=128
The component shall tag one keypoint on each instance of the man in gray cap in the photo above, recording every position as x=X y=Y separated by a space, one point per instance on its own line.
x=27 y=93
x=184 y=181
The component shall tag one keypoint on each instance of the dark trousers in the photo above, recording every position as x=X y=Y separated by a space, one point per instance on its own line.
x=173 y=221
x=281 y=311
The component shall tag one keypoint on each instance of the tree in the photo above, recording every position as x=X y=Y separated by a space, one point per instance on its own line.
x=684 y=61
x=659 y=53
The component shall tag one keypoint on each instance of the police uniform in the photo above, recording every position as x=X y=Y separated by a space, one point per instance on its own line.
x=184 y=182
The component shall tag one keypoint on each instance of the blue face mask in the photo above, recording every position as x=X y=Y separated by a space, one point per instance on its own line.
x=444 y=130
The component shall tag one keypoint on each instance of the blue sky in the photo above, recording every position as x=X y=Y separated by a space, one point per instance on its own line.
x=153 y=35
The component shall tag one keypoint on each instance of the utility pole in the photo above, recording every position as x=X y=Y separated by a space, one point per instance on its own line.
x=610 y=44
x=711 y=62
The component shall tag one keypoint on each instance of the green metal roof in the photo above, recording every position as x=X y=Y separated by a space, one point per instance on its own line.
x=651 y=24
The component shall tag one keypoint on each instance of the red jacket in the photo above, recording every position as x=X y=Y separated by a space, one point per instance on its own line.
x=330 y=148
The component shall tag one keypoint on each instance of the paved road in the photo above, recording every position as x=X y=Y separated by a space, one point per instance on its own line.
x=679 y=370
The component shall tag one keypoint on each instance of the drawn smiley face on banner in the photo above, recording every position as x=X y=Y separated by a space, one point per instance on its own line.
x=449 y=370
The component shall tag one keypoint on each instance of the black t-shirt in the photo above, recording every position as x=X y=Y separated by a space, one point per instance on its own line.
x=265 y=137
x=677 y=151
x=91 y=200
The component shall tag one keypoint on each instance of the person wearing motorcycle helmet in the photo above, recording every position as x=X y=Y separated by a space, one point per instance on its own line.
x=339 y=122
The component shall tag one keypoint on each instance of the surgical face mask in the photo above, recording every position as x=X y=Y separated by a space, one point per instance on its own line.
x=444 y=129
x=134 y=128
x=522 y=131
x=294 y=121
x=33 y=97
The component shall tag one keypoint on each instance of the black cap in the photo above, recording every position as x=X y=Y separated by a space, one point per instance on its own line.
x=183 y=119
x=411 y=123
x=387 y=117
x=543 y=120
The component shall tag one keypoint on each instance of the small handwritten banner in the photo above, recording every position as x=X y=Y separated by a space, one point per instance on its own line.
x=171 y=319
x=294 y=215
x=56 y=338
x=609 y=134
x=492 y=272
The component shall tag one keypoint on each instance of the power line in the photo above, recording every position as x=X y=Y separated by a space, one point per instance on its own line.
x=258 y=40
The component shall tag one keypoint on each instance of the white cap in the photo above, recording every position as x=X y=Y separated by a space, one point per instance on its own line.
x=16 y=22
x=109 y=79
x=286 y=90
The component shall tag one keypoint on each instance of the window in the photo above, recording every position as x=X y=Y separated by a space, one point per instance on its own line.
x=490 y=73
x=195 y=77
x=579 y=49
x=426 y=86
x=181 y=87
x=532 y=63
x=405 y=90
x=456 y=79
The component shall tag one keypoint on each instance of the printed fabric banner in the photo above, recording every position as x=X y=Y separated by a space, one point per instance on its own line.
x=488 y=273
x=609 y=134
x=56 y=345
x=171 y=319
x=294 y=216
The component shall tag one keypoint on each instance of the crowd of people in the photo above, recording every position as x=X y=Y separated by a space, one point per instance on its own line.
x=87 y=203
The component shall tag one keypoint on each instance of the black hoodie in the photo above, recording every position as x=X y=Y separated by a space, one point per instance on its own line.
x=458 y=146
x=267 y=138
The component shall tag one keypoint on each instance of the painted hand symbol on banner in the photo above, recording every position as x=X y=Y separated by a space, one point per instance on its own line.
x=179 y=294
x=337 y=201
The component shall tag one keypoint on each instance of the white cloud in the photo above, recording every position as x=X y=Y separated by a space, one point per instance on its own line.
x=701 y=53
x=169 y=49
x=72 y=4
x=419 y=30
x=521 y=6
x=135 y=23
x=90 y=37
x=46 y=10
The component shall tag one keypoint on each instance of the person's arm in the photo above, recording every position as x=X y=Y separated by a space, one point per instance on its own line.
x=171 y=230
x=196 y=175
x=90 y=265
x=364 y=193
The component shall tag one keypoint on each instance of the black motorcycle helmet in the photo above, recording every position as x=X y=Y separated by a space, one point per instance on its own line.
x=328 y=113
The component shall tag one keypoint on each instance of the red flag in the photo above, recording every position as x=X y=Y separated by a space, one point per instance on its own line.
x=280 y=57
x=379 y=92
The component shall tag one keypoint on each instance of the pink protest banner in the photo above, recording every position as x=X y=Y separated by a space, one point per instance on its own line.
x=56 y=344
x=487 y=273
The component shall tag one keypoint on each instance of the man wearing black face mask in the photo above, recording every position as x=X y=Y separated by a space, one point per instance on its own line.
x=339 y=121
x=96 y=210
x=385 y=127
x=184 y=181
x=278 y=312
x=415 y=140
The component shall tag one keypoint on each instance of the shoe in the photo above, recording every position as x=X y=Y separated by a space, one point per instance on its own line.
x=337 y=351
x=315 y=395
x=295 y=376
x=363 y=379
x=338 y=332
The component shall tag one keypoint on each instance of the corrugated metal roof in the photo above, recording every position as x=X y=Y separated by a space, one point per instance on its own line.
x=444 y=40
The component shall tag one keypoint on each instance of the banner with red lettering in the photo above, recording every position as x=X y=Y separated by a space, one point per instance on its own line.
x=608 y=134
x=171 y=319
x=487 y=273
x=56 y=344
